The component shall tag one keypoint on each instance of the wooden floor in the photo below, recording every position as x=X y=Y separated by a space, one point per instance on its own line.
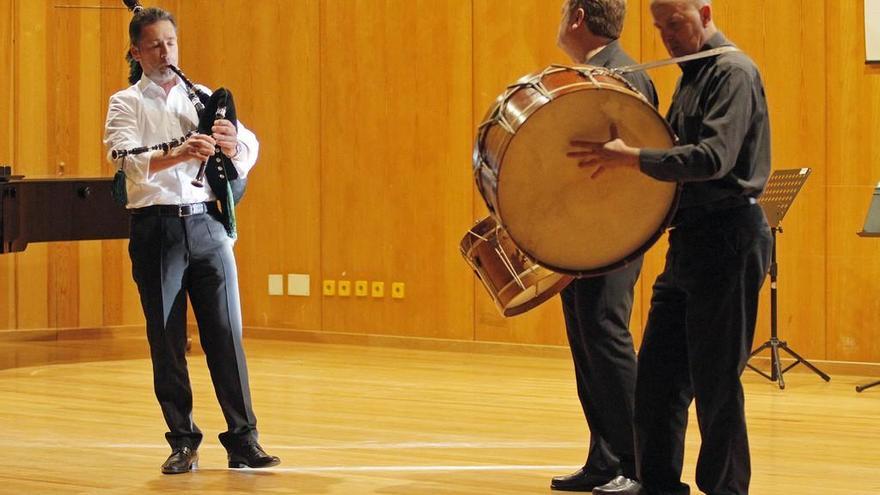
x=80 y=417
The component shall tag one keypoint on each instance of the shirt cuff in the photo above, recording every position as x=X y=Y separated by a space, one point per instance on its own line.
x=651 y=162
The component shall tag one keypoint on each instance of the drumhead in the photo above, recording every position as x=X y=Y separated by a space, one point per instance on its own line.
x=560 y=216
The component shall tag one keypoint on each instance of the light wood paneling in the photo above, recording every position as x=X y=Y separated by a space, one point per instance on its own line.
x=121 y=303
x=791 y=64
x=7 y=138
x=31 y=155
x=64 y=36
x=853 y=279
x=366 y=115
x=7 y=83
x=853 y=120
x=281 y=219
x=396 y=130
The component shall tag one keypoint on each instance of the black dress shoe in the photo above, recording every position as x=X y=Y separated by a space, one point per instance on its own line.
x=620 y=485
x=182 y=460
x=579 y=481
x=251 y=456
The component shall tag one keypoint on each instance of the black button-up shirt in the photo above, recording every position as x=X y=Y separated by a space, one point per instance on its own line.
x=612 y=56
x=719 y=113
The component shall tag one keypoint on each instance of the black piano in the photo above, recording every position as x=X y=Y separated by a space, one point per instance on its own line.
x=57 y=209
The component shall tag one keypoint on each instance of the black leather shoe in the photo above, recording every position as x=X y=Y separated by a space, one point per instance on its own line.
x=620 y=485
x=579 y=481
x=251 y=456
x=182 y=460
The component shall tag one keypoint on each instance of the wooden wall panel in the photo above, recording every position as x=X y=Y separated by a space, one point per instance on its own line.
x=65 y=37
x=853 y=122
x=395 y=148
x=7 y=138
x=366 y=129
x=31 y=155
x=791 y=63
x=285 y=107
x=88 y=161
x=120 y=303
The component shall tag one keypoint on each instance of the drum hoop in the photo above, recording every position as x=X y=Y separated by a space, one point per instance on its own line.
x=536 y=301
x=479 y=159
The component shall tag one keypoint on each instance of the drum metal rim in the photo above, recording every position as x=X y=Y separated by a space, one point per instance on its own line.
x=534 y=302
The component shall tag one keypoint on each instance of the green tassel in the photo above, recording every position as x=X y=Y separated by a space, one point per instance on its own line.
x=229 y=212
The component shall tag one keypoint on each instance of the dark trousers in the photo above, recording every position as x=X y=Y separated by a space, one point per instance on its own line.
x=171 y=258
x=698 y=337
x=597 y=312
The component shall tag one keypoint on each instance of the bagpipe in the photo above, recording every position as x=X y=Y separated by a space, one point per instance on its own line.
x=222 y=176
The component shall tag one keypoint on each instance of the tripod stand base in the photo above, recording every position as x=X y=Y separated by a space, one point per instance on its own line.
x=866 y=386
x=776 y=369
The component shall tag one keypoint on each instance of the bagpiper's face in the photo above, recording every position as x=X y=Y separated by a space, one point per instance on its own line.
x=156 y=50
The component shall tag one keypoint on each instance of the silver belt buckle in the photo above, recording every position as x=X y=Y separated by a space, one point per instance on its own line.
x=181 y=211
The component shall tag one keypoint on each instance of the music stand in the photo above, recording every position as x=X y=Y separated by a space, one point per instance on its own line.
x=782 y=187
x=871 y=229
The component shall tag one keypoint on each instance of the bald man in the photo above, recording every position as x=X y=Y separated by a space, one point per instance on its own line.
x=701 y=324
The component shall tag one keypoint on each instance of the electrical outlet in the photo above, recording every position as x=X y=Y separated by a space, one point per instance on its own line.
x=378 y=289
x=398 y=290
x=276 y=285
x=329 y=288
x=343 y=288
x=361 y=288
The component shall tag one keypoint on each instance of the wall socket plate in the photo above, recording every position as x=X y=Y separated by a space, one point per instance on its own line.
x=276 y=284
x=298 y=284
x=343 y=288
x=398 y=290
x=361 y=288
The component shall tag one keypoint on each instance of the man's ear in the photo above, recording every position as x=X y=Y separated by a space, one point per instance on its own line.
x=135 y=53
x=578 y=18
x=706 y=14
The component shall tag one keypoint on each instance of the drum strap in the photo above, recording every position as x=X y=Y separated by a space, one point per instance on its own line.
x=677 y=60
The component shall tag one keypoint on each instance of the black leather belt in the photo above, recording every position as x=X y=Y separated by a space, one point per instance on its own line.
x=689 y=216
x=184 y=210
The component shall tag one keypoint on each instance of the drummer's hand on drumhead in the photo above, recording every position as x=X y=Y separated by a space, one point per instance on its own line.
x=612 y=153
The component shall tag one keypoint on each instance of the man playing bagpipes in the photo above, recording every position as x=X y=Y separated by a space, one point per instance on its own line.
x=182 y=234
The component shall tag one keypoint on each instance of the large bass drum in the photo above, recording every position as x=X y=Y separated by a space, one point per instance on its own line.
x=556 y=212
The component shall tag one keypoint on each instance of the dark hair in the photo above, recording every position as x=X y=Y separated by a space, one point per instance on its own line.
x=142 y=19
x=604 y=17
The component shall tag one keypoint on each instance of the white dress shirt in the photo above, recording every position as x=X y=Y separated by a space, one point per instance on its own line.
x=142 y=115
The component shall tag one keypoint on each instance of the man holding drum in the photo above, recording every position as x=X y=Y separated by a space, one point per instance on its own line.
x=597 y=309
x=702 y=319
